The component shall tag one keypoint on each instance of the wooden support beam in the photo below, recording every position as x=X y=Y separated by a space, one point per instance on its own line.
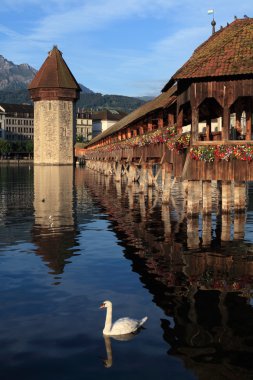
x=131 y=174
x=249 y=112
x=207 y=197
x=166 y=182
x=150 y=176
x=192 y=233
x=226 y=227
x=206 y=230
x=195 y=124
x=226 y=200
x=239 y=225
x=240 y=196
x=143 y=177
x=225 y=123
x=194 y=197
x=180 y=118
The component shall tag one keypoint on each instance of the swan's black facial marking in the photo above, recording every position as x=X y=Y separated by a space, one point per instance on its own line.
x=102 y=305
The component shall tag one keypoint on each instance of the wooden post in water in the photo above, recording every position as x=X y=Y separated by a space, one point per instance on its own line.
x=226 y=227
x=226 y=200
x=239 y=225
x=117 y=171
x=193 y=198
x=206 y=230
x=150 y=175
x=131 y=175
x=218 y=196
x=143 y=178
x=192 y=233
x=130 y=198
x=150 y=197
x=166 y=182
x=239 y=196
x=118 y=189
x=142 y=206
x=166 y=223
x=207 y=197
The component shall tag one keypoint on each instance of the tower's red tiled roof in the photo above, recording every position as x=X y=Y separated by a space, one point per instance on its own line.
x=54 y=73
x=227 y=52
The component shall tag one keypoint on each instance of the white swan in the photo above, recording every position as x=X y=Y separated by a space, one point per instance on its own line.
x=121 y=326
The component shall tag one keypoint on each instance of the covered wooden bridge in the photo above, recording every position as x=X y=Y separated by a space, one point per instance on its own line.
x=197 y=131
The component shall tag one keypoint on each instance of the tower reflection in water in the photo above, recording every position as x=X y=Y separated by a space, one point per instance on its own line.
x=54 y=230
x=199 y=271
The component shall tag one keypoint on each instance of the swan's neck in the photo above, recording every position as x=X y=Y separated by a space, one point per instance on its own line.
x=108 y=320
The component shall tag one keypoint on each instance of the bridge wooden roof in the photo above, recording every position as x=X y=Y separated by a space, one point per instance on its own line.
x=162 y=101
x=228 y=52
x=54 y=73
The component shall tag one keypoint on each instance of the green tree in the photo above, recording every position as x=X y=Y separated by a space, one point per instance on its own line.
x=29 y=146
x=5 y=147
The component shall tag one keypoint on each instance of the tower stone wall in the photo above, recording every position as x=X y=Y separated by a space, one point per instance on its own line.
x=54 y=132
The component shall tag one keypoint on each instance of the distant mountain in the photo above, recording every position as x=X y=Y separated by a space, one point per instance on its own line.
x=14 y=80
x=85 y=90
x=97 y=101
x=146 y=98
x=14 y=77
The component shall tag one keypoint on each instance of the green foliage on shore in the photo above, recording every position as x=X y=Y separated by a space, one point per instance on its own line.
x=11 y=147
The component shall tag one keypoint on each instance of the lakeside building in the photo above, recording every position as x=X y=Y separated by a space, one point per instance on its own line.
x=16 y=122
x=90 y=123
x=83 y=125
x=102 y=120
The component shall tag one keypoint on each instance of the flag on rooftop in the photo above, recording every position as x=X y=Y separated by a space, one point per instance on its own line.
x=210 y=11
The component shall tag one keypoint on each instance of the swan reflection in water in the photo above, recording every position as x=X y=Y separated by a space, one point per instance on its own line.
x=108 y=347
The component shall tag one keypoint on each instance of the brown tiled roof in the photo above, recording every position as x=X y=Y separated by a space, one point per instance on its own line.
x=54 y=73
x=227 y=52
x=163 y=100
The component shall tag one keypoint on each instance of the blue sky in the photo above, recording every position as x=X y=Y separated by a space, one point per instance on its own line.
x=124 y=47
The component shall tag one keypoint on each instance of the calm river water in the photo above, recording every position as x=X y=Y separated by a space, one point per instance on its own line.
x=71 y=238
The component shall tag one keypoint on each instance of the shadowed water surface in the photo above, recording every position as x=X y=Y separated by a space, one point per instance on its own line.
x=71 y=238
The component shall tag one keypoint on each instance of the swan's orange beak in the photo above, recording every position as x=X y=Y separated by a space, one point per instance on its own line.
x=102 y=306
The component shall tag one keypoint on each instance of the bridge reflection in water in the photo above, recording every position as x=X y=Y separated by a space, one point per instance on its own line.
x=199 y=271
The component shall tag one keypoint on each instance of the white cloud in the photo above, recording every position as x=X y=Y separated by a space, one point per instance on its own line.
x=79 y=26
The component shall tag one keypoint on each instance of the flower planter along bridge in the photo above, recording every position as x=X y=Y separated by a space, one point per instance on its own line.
x=197 y=131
